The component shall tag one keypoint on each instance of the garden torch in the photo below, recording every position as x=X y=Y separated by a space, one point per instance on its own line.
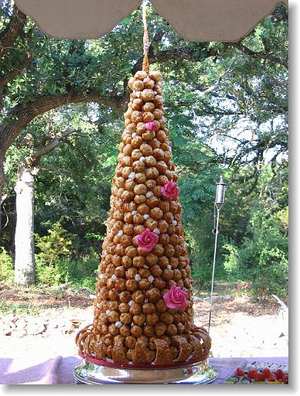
x=219 y=201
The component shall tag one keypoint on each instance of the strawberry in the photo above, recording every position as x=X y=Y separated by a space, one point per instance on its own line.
x=252 y=373
x=259 y=377
x=267 y=373
x=239 y=372
x=272 y=378
x=285 y=378
x=279 y=374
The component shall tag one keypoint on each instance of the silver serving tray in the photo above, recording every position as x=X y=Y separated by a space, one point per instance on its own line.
x=93 y=374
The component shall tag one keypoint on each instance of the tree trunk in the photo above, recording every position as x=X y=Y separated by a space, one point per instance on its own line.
x=24 y=240
x=2 y=180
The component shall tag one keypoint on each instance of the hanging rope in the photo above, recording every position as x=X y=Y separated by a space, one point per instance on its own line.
x=146 y=42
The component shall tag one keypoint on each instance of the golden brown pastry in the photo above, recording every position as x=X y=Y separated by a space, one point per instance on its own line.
x=143 y=309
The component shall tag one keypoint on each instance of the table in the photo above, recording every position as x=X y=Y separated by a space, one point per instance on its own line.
x=59 y=370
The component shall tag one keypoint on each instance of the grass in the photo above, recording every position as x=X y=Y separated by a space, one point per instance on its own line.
x=235 y=288
x=34 y=299
x=7 y=308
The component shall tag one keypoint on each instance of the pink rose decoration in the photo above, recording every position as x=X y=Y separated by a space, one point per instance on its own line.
x=146 y=240
x=151 y=126
x=170 y=190
x=176 y=298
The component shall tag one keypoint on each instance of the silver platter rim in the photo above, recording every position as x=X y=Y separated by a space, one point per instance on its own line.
x=93 y=374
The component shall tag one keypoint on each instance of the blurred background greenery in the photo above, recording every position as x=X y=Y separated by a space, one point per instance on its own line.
x=226 y=106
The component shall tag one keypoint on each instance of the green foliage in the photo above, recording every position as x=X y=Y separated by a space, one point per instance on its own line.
x=6 y=266
x=77 y=273
x=52 y=249
x=262 y=254
x=201 y=273
x=81 y=273
x=231 y=262
x=226 y=110
x=54 y=246
x=54 y=262
x=48 y=275
x=198 y=173
x=265 y=256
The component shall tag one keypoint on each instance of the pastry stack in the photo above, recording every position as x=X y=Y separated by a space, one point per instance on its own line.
x=143 y=313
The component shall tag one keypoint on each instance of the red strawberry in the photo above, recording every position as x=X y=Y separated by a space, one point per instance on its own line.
x=252 y=373
x=267 y=373
x=259 y=376
x=285 y=378
x=239 y=372
x=279 y=374
x=272 y=378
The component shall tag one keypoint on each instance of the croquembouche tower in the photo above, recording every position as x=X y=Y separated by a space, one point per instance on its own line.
x=143 y=315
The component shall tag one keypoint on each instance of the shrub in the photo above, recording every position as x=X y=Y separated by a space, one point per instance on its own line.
x=262 y=257
x=48 y=275
x=201 y=275
x=55 y=264
x=78 y=273
x=6 y=266
x=231 y=261
x=270 y=276
x=54 y=246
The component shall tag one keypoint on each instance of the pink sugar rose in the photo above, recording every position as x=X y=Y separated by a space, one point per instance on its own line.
x=170 y=190
x=147 y=240
x=151 y=126
x=176 y=298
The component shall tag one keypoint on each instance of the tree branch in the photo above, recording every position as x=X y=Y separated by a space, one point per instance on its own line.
x=12 y=31
x=259 y=55
x=34 y=159
x=20 y=116
x=175 y=54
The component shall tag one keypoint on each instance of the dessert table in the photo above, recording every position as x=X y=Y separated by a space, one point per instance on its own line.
x=59 y=369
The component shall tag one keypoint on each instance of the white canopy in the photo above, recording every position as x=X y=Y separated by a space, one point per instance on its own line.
x=197 y=20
